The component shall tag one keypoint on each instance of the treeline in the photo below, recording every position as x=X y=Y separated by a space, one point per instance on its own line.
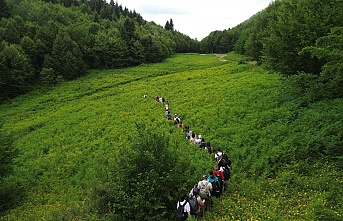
x=302 y=39
x=50 y=41
x=47 y=42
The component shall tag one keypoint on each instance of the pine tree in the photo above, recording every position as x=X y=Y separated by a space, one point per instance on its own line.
x=169 y=25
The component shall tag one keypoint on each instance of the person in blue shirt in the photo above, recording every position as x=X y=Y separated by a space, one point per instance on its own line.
x=213 y=179
x=168 y=115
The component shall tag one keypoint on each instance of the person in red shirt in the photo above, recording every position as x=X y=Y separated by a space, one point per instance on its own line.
x=220 y=174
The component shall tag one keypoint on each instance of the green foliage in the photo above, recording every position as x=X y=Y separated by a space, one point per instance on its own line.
x=70 y=37
x=329 y=49
x=66 y=58
x=15 y=69
x=9 y=192
x=148 y=175
x=299 y=38
x=169 y=25
x=95 y=149
x=4 y=9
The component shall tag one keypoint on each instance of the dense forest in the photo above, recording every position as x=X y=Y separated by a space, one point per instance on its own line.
x=47 y=42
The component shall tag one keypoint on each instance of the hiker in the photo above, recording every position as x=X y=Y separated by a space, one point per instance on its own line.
x=195 y=202
x=157 y=99
x=168 y=115
x=166 y=105
x=203 y=143
x=220 y=174
x=183 y=209
x=208 y=147
x=161 y=99
x=176 y=119
x=224 y=165
x=145 y=96
x=192 y=139
x=218 y=155
x=217 y=172
x=189 y=135
x=198 y=140
x=214 y=180
x=186 y=130
x=181 y=125
x=205 y=188
x=195 y=188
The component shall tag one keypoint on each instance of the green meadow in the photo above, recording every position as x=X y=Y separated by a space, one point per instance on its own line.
x=96 y=149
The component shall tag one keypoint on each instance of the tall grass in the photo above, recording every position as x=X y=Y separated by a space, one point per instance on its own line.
x=70 y=139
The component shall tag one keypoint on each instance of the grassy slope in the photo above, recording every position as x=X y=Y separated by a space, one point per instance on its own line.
x=68 y=135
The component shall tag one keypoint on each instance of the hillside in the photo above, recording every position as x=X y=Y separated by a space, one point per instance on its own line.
x=96 y=149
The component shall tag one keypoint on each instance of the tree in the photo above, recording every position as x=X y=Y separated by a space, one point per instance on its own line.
x=15 y=71
x=144 y=179
x=299 y=24
x=10 y=32
x=328 y=48
x=151 y=51
x=66 y=57
x=108 y=51
x=169 y=25
x=29 y=47
x=4 y=9
x=127 y=31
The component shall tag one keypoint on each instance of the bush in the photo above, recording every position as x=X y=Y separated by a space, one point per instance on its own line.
x=8 y=186
x=147 y=178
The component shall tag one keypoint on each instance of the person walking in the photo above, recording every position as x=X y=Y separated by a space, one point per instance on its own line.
x=195 y=202
x=205 y=188
x=183 y=209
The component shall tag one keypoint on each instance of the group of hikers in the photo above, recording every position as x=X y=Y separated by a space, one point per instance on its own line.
x=199 y=200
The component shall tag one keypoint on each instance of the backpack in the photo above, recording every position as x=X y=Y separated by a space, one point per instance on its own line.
x=219 y=179
x=180 y=215
x=193 y=203
x=218 y=157
x=227 y=174
x=225 y=161
x=216 y=188
x=203 y=193
x=210 y=150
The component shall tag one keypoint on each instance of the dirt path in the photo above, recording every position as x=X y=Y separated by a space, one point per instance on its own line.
x=221 y=57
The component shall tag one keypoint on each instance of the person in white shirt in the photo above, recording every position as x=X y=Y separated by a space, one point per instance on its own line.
x=218 y=155
x=186 y=209
x=198 y=140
